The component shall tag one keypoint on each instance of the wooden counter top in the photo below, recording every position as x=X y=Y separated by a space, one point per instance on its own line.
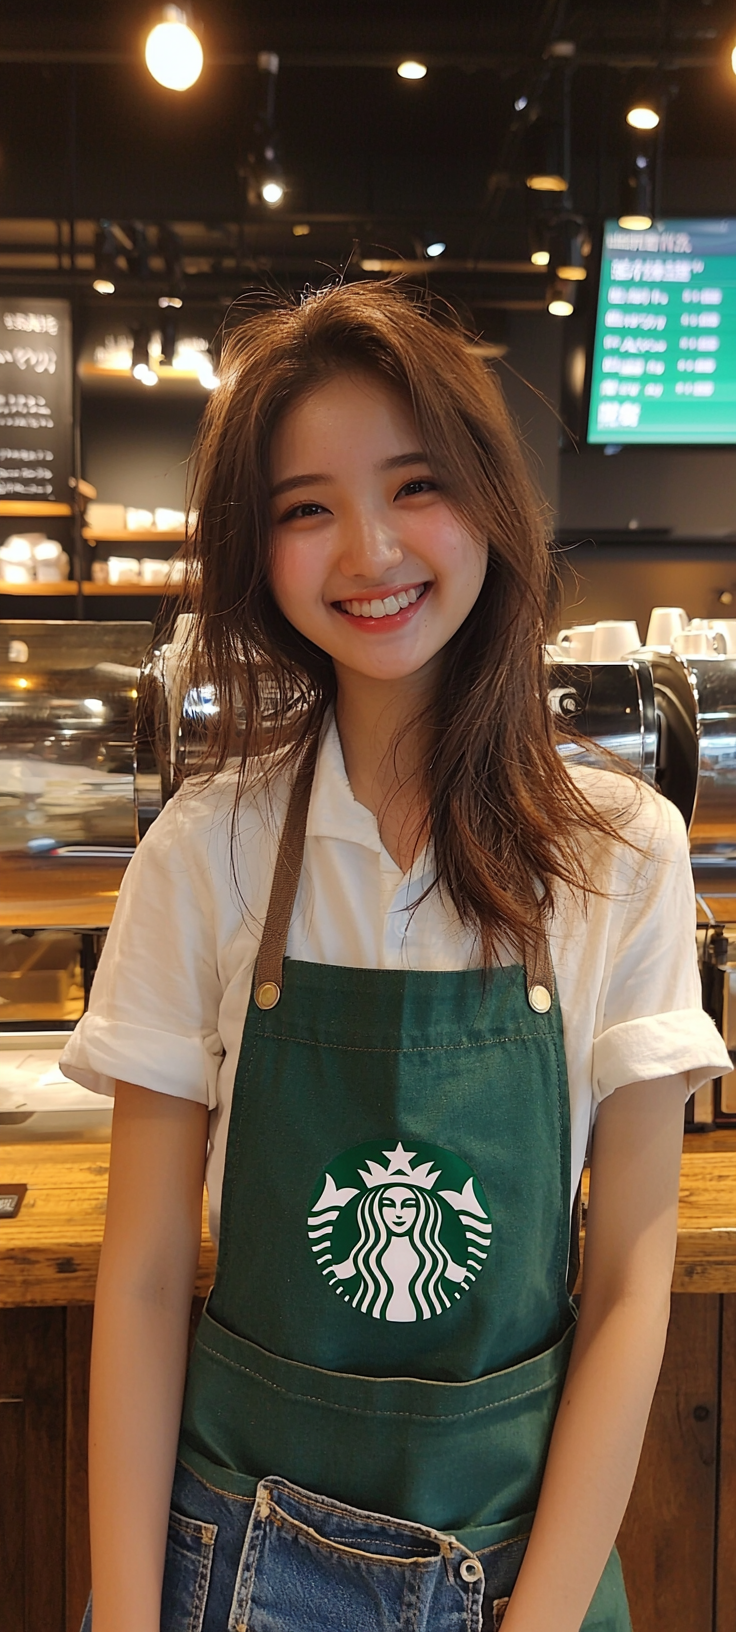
x=49 y=1253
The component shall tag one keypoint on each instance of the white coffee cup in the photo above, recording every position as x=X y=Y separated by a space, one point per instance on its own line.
x=705 y=642
x=727 y=628
x=664 y=623
x=577 y=641
x=614 y=638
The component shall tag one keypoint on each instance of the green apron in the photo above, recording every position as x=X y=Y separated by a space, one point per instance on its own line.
x=390 y=1323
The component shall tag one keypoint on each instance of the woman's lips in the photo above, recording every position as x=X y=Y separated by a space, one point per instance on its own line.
x=390 y=611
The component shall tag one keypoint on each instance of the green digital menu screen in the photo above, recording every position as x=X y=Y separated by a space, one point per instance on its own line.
x=664 y=359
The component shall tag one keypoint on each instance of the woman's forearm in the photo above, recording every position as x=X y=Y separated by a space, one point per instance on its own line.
x=138 y=1365
x=139 y=1348
x=591 y=1466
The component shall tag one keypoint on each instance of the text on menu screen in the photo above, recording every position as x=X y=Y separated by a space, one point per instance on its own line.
x=664 y=359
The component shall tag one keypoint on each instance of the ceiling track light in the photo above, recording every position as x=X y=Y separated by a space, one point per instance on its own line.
x=636 y=207
x=412 y=69
x=173 y=52
x=263 y=173
x=106 y=253
x=561 y=297
x=140 y=366
x=644 y=111
x=539 y=242
x=569 y=249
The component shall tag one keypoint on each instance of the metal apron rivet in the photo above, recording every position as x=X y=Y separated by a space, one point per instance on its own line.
x=540 y=999
x=267 y=994
x=470 y=1569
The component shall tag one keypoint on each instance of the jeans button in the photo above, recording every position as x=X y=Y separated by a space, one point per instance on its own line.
x=470 y=1570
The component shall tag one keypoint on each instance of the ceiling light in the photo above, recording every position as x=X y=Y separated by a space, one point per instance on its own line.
x=170 y=300
x=637 y=193
x=146 y=375
x=106 y=251
x=539 y=257
x=174 y=55
x=437 y=247
x=301 y=229
x=546 y=163
x=642 y=116
x=538 y=242
x=412 y=70
x=569 y=247
x=272 y=192
x=520 y=103
x=140 y=367
x=561 y=298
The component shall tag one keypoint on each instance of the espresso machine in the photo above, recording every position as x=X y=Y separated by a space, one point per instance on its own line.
x=98 y=727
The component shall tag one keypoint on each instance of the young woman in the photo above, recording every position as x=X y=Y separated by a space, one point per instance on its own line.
x=381 y=971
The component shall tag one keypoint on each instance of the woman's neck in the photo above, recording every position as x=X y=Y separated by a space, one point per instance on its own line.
x=382 y=745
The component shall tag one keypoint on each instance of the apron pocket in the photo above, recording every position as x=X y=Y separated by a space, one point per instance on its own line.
x=187 y=1570
x=309 y=1562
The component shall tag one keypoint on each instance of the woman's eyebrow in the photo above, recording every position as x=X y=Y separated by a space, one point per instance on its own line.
x=290 y=482
x=401 y=459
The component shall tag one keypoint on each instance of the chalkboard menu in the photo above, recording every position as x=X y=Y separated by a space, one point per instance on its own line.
x=35 y=400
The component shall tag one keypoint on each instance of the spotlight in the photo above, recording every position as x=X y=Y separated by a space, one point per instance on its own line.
x=106 y=251
x=546 y=166
x=637 y=193
x=521 y=103
x=538 y=243
x=569 y=247
x=264 y=174
x=174 y=56
x=412 y=70
x=169 y=248
x=434 y=247
x=140 y=367
x=561 y=298
x=168 y=335
x=301 y=229
x=644 y=111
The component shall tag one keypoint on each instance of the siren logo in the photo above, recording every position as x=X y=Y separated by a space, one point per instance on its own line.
x=399 y=1234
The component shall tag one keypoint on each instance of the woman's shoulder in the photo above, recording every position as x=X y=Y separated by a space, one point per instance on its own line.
x=643 y=819
x=231 y=805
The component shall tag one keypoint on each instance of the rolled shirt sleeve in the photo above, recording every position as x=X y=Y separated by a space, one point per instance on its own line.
x=651 y=1020
x=153 y=1013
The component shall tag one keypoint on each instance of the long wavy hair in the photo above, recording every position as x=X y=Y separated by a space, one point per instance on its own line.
x=504 y=814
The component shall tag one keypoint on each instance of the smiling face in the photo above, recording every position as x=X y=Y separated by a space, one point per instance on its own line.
x=370 y=562
x=399 y=1206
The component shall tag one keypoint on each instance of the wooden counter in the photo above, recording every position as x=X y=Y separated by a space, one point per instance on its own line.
x=49 y=1253
x=678 y=1540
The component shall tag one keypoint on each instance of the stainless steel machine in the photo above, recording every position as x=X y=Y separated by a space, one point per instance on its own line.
x=85 y=769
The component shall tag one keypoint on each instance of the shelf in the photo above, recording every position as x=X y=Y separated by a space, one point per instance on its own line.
x=68 y=587
x=89 y=588
x=19 y=507
x=147 y=535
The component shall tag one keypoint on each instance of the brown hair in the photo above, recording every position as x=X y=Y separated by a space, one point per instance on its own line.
x=503 y=812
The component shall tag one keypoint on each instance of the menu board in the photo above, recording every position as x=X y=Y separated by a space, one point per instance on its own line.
x=664 y=359
x=35 y=400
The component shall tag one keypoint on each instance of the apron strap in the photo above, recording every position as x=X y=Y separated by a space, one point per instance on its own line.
x=268 y=976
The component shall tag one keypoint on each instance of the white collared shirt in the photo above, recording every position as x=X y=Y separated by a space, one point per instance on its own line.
x=172 y=988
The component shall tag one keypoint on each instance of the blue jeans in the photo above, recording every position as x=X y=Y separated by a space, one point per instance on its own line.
x=286 y=1561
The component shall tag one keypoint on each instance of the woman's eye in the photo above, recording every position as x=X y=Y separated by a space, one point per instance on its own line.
x=300 y=511
x=420 y=484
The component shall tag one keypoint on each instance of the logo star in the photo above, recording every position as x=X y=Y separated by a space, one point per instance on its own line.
x=399 y=1160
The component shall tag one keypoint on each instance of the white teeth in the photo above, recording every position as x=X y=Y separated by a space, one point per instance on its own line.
x=386 y=608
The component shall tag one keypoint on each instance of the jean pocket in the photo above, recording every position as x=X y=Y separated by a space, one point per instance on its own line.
x=187 y=1570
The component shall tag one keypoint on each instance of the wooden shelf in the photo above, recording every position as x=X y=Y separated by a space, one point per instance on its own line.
x=20 y=507
x=68 y=587
x=146 y=535
x=89 y=588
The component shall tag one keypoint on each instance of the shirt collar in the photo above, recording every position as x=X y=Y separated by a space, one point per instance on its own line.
x=334 y=811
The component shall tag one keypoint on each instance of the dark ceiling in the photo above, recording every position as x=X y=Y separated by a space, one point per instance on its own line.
x=371 y=162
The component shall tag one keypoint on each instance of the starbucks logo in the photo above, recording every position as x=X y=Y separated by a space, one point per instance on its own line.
x=399 y=1234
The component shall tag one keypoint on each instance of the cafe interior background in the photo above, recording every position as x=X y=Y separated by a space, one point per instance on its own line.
x=563 y=176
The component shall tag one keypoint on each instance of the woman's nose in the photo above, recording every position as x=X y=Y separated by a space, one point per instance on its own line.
x=370 y=547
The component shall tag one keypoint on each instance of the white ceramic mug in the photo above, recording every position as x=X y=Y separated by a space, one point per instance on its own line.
x=727 y=628
x=614 y=638
x=699 y=643
x=577 y=641
x=664 y=623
